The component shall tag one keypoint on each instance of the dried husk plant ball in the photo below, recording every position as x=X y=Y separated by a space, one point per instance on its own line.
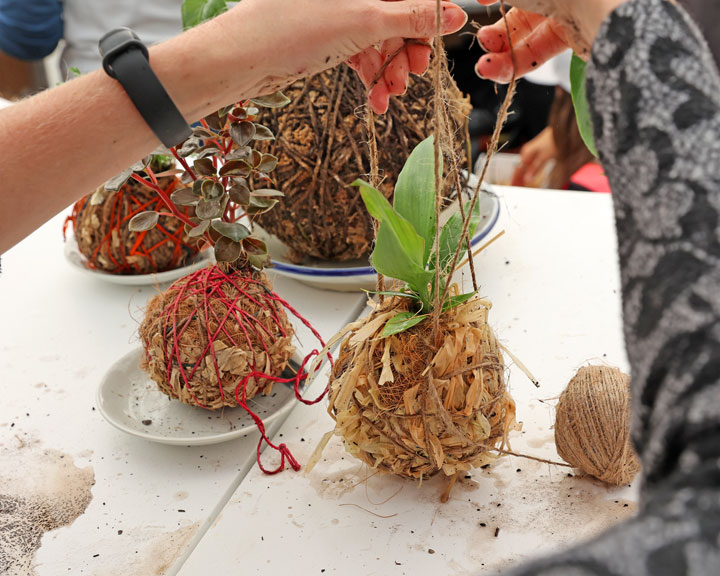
x=213 y=331
x=405 y=408
x=100 y=225
x=418 y=386
x=322 y=149
x=592 y=425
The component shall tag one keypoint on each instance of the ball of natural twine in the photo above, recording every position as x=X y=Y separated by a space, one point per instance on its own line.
x=592 y=425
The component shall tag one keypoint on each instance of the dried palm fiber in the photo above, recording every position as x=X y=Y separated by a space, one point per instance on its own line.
x=102 y=234
x=405 y=406
x=321 y=148
x=592 y=425
x=216 y=336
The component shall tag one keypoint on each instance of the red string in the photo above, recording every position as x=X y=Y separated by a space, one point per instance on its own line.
x=127 y=199
x=210 y=285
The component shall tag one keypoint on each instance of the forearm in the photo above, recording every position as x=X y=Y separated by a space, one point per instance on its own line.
x=66 y=142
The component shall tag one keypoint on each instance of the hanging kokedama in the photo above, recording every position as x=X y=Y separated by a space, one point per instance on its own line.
x=220 y=336
x=418 y=386
x=321 y=152
x=100 y=226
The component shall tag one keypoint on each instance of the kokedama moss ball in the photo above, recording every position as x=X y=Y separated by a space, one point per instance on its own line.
x=322 y=148
x=102 y=234
x=592 y=425
x=213 y=333
x=404 y=406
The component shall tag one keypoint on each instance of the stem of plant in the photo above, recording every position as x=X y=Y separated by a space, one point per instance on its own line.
x=165 y=198
x=183 y=163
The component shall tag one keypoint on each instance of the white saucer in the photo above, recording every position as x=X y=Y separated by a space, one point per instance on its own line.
x=130 y=401
x=80 y=263
x=356 y=275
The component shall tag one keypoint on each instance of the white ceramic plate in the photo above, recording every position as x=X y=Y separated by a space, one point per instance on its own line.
x=356 y=275
x=129 y=400
x=79 y=262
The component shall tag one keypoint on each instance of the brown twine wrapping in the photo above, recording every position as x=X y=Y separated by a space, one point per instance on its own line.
x=188 y=317
x=319 y=144
x=405 y=407
x=592 y=425
x=102 y=234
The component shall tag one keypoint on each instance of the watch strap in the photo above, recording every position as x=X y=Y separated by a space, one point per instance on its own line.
x=126 y=59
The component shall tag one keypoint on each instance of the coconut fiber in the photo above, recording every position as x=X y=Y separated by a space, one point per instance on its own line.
x=321 y=148
x=102 y=234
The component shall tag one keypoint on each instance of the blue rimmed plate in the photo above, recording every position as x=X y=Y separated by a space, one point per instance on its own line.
x=356 y=275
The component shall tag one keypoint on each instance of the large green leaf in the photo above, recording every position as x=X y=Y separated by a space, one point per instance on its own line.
x=389 y=258
x=451 y=232
x=399 y=251
x=415 y=192
x=401 y=322
x=579 y=98
x=196 y=12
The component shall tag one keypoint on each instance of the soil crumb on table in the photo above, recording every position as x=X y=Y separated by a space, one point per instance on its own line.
x=40 y=490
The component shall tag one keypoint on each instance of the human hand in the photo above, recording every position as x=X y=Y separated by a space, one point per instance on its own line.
x=539 y=30
x=534 y=156
x=292 y=39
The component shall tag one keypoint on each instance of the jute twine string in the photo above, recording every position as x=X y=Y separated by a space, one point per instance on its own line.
x=592 y=425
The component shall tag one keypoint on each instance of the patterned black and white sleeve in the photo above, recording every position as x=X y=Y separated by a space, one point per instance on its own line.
x=655 y=95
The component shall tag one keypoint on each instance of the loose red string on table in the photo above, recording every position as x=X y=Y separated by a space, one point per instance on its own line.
x=209 y=284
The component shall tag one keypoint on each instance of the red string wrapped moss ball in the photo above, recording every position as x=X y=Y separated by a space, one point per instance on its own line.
x=216 y=337
x=103 y=237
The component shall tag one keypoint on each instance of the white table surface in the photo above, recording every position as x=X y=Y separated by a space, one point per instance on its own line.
x=554 y=282
x=60 y=332
x=208 y=510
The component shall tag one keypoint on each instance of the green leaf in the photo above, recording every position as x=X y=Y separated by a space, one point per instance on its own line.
x=184 y=197
x=398 y=249
x=401 y=322
x=236 y=168
x=75 y=71
x=227 y=250
x=209 y=209
x=451 y=232
x=117 y=182
x=260 y=205
x=415 y=192
x=199 y=229
x=233 y=230
x=204 y=167
x=211 y=189
x=263 y=133
x=257 y=252
x=242 y=132
x=189 y=146
x=454 y=301
x=267 y=193
x=268 y=162
x=144 y=221
x=410 y=295
x=213 y=120
x=240 y=194
x=196 y=12
x=274 y=100
x=579 y=98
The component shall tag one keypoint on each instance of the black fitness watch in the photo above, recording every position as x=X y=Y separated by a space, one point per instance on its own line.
x=126 y=59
